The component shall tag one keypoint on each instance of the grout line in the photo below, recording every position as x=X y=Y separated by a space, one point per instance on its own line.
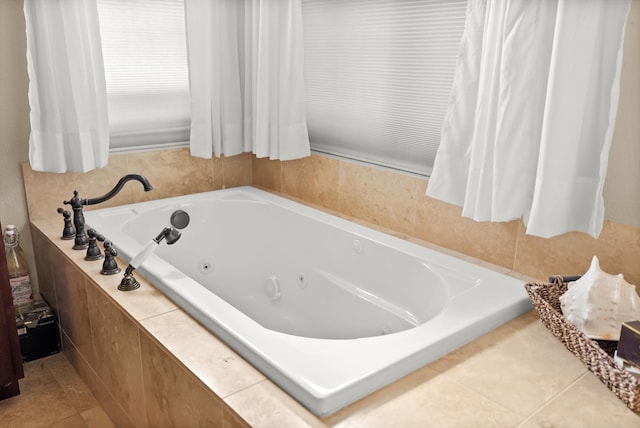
x=223 y=185
x=280 y=176
x=416 y=195
x=340 y=186
x=151 y=317
x=244 y=388
x=99 y=383
x=554 y=397
x=516 y=246
x=142 y=369
x=463 y=385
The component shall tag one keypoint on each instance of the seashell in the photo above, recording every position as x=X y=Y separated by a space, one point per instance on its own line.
x=598 y=303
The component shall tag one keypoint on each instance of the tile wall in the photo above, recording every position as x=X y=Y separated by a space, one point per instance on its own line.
x=382 y=197
x=171 y=173
x=398 y=202
x=107 y=335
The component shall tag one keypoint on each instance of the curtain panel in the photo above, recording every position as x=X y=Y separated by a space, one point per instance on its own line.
x=67 y=94
x=245 y=74
x=531 y=113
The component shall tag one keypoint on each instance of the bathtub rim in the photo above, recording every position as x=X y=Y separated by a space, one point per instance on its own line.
x=324 y=400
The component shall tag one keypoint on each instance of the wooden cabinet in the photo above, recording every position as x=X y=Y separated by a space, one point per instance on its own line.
x=10 y=358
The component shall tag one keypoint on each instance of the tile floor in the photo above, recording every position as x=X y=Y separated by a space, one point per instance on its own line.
x=52 y=395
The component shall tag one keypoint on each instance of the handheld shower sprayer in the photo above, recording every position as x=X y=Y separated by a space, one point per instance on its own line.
x=128 y=283
x=169 y=234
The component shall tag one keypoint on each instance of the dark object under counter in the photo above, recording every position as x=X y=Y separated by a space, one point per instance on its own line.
x=38 y=332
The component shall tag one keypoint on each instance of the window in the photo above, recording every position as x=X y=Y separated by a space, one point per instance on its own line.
x=378 y=75
x=144 y=49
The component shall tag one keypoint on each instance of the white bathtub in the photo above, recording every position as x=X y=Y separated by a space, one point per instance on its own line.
x=329 y=310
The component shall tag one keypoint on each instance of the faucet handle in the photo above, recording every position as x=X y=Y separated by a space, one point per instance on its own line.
x=76 y=202
x=93 y=251
x=95 y=235
x=69 y=232
x=110 y=266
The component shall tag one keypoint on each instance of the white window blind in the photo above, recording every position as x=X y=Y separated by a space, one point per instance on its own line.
x=144 y=48
x=378 y=75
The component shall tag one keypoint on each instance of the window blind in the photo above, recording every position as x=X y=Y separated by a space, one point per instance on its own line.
x=144 y=49
x=378 y=75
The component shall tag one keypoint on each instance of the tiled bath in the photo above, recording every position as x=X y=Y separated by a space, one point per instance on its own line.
x=150 y=364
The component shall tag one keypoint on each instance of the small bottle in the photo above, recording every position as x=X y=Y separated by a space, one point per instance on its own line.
x=18 y=270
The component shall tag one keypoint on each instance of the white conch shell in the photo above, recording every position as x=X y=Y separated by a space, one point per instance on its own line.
x=598 y=303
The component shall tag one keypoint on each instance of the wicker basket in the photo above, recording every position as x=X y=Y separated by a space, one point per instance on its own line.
x=596 y=355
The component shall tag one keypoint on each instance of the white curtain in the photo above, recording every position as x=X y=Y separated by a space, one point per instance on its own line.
x=67 y=95
x=531 y=113
x=245 y=74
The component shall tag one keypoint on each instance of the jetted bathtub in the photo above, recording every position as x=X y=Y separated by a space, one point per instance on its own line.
x=328 y=309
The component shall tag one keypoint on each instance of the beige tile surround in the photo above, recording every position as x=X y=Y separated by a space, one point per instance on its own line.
x=170 y=172
x=150 y=364
x=391 y=200
x=397 y=201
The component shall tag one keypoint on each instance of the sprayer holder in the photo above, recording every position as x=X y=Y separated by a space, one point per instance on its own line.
x=128 y=282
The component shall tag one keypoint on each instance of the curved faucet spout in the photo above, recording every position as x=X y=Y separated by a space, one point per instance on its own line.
x=81 y=241
x=145 y=183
